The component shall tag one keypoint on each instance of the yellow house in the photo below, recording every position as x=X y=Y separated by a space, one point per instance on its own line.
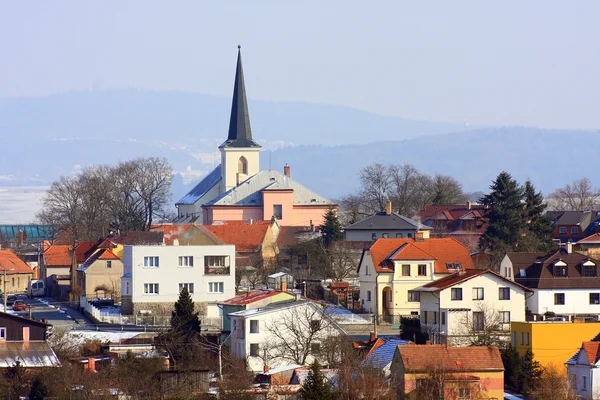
x=100 y=274
x=551 y=342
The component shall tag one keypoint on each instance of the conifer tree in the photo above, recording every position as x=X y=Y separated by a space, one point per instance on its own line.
x=332 y=229
x=316 y=386
x=184 y=321
x=537 y=223
x=505 y=215
x=530 y=373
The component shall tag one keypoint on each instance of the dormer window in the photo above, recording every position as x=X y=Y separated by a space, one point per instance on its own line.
x=560 y=271
x=588 y=270
x=522 y=273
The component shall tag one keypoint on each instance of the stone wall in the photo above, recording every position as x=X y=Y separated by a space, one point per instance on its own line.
x=158 y=309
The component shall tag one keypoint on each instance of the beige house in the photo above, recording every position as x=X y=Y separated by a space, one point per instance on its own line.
x=17 y=273
x=100 y=275
x=391 y=269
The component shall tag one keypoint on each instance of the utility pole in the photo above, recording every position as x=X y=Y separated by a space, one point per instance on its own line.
x=29 y=311
x=375 y=324
x=4 y=289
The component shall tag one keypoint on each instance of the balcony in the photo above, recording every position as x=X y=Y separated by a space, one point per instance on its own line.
x=216 y=270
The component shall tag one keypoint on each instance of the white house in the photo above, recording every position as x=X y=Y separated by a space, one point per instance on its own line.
x=563 y=282
x=583 y=370
x=153 y=277
x=390 y=269
x=280 y=334
x=467 y=301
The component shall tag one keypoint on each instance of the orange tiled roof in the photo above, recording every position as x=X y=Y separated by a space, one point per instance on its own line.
x=592 y=350
x=106 y=254
x=171 y=231
x=58 y=254
x=418 y=358
x=443 y=251
x=9 y=260
x=594 y=238
x=246 y=237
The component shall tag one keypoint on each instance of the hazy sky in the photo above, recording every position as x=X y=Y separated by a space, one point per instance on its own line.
x=502 y=63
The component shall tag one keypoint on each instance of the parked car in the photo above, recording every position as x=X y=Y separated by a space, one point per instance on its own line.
x=19 y=305
x=9 y=300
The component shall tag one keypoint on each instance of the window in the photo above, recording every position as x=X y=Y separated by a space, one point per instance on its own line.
x=188 y=286
x=478 y=320
x=186 y=261
x=560 y=271
x=505 y=317
x=443 y=318
x=254 y=349
x=373 y=236
x=126 y=287
x=424 y=317
x=559 y=298
x=368 y=295
x=456 y=294
x=514 y=339
x=277 y=211
x=409 y=235
x=406 y=270
x=109 y=264
x=504 y=293
x=243 y=166
x=216 y=261
x=594 y=298
x=574 y=230
x=254 y=326
x=522 y=336
x=385 y=235
x=215 y=287
x=422 y=269
x=477 y=293
x=315 y=347
x=522 y=273
x=584 y=382
x=464 y=393
x=367 y=269
x=2 y=333
x=151 y=288
x=588 y=270
x=562 y=230
x=151 y=261
x=527 y=338
x=457 y=266
x=435 y=317
x=414 y=296
x=398 y=236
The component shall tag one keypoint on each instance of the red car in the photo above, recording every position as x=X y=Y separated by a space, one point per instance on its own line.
x=19 y=305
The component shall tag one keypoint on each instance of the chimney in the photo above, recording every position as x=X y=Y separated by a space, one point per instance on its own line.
x=388 y=207
x=569 y=247
x=283 y=286
x=266 y=368
x=26 y=334
x=91 y=365
x=428 y=343
x=21 y=237
x=469 y=204
x=312 y=226
x=250 y=221
x=421 y=236
x=286 y=170
x=175 y=242
x=372 y=336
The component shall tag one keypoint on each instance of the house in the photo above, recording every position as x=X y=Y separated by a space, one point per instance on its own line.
x=563 y=282
x=251 y=300
x=584 y=372
x=390 y=269
x=386 y=225
x=55 y=269
x=264 y=335
x=300 y=375
x=468 y=301
x=590 y=245
x=572 y=226
x=236 y=190
x=438 y=371
x=540 y=337
x=14 y=273
x=23 y=340
x=153 y=277
x=100 y=275
x=382 y=352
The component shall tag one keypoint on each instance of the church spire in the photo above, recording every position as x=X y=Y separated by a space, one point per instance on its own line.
x=240 y=134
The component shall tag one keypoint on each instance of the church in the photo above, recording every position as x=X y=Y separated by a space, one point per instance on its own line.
x=237 y=190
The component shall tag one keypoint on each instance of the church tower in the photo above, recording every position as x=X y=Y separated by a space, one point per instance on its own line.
x=239 y=153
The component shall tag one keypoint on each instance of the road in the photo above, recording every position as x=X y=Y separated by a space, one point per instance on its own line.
x=56 y=313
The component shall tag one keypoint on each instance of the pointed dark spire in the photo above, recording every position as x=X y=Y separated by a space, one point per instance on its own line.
x=240 y=134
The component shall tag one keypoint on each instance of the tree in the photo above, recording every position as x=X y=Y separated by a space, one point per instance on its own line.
x=512 y=367
x=484 y=327
x=184 y=320
x=447 y=190
x=530 y=374
x=537 y=227
x=553 y=384
x=410 y=329
x=504 y=213
x=376 y=187
x=316 y=387
x=411 y=190
x=153 y=186
x=580 y=195
x=338 y=261
x=331 y=230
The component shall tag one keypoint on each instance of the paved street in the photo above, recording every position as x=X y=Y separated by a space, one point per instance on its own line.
x=62 y=317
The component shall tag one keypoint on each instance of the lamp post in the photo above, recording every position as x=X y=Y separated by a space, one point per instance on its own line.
x=4 y=287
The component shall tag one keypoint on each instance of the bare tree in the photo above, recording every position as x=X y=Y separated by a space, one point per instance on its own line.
x=442 y=383
x=554 y=384
x=376 y=187
x=483 y=327
x=153 y=186
x=298 y=334
x=62 y=206
x=338 y=260
x=580 y=195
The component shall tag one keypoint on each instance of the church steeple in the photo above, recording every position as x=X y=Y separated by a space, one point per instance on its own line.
x=240 y=134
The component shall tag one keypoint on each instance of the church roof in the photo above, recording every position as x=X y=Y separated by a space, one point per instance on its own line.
x=240 y=134
x=202 y=188
x=248 y=193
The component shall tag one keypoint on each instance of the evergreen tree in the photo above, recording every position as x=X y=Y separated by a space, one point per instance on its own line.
x=537 y=223
x=512 y=366
x=530 y=373
x=184 y=321
x=505 y=215
x=332 y=229
x=316 y=387
x=39 y=391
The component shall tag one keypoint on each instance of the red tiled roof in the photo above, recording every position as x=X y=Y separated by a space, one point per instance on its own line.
x=443 y=251
x=418 y=358
x=452 y=211
x=9 y=260
x=246 y=237
x=107 y=244
x=250 y=297
x=592 y=350
x=82 y=251
x=457 y=277
x=58 y=254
